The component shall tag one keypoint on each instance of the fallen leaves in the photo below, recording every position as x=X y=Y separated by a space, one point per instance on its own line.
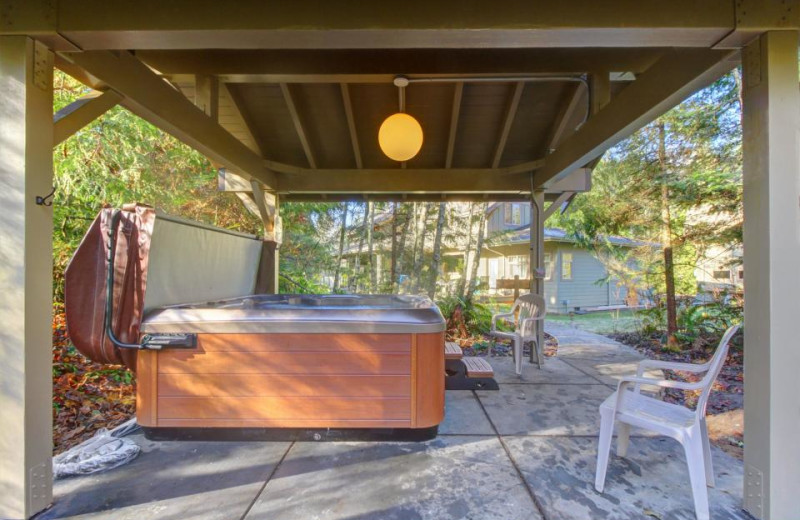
x=87 y=396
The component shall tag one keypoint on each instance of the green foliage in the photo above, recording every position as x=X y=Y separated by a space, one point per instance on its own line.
x=707 y=323
x=476 y=317
x=120 y=158
x=652 y=320
x=698 y=325
x=701 y=173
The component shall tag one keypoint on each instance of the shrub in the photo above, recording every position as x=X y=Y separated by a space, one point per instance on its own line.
x=464 y=317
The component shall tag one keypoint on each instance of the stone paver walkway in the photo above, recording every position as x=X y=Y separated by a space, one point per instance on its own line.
x=524 y=452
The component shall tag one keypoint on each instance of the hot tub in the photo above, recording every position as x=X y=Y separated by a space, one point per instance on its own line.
x=244 y=362
x=298 y=362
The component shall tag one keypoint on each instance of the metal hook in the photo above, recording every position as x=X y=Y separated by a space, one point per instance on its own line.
x=43 y=201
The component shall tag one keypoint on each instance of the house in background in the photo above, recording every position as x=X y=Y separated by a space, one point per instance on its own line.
x=575 y=279
x=720 y=269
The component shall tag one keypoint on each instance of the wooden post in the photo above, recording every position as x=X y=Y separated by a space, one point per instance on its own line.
x=537 y=255
x=268 y=272
x=771 y=124
x=26 y=276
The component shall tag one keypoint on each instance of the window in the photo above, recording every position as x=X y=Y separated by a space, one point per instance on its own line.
x=548 y=266
x=517 y=266
x=722 y=275
x=512 y=212
x=566 y=266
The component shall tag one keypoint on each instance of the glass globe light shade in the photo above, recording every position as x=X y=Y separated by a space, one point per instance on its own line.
x=400 y=137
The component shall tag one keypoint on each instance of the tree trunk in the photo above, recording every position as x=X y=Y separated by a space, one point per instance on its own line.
x=462 y=285
x=666 y=241
x=402 y=245
x=342 y=234
x=361 y=233
x=415 y=232
x=370 y=228
x=393 y=268
x=473 y=280
x=437 y=251
x=420 y=246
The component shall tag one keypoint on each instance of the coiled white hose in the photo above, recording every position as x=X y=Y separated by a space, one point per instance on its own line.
x=105 y=450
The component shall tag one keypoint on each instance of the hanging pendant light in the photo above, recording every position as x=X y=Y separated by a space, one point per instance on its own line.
x=400 y=136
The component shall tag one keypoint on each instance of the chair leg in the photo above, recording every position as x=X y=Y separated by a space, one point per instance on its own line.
x=693 y=446
x=707 y=454
x=603 y=448
x=623 y=438
x=518 y=355
x=539 y=353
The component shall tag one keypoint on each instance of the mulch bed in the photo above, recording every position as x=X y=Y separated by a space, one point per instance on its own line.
x=479 y=346
x=87 y=396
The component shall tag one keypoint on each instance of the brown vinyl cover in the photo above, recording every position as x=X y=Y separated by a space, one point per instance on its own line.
x=85 y=285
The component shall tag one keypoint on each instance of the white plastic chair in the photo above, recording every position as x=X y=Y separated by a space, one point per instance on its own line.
x=531 y=309
x=629 y=407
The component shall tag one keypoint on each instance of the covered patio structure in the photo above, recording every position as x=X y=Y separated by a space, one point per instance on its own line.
x=518 y=101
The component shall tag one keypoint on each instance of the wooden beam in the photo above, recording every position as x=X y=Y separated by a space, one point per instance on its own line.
x=405 y=197
x=81 y=112
x=268 y=209
x=528 y=166
x=454 y=115
x=298 y=124
x=351 y=124
x=206 y=95
x=304 y=24
x=382 y=65
x=677 y=75
x=565 y=114
x=508 y=120
x=599 y=91
x=233 y=183
x=249 y=203
x=599 y=97
x=410 y=180
x=553 y=207
x=153 y=99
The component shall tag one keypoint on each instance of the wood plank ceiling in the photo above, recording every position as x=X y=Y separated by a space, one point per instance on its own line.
x=322 y=110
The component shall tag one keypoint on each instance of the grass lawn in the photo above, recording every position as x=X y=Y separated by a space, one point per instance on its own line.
x=599 y=322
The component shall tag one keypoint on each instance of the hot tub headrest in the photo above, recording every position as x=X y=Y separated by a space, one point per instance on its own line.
x=160 y=260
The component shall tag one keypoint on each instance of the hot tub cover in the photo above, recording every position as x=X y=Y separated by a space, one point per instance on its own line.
x=85 y=285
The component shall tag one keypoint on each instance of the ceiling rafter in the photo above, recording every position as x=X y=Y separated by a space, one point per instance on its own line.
x=511 y=112
x=451 y=139
x=565 y=114
x=298 y=124
x=351 y=124
x=244 y=115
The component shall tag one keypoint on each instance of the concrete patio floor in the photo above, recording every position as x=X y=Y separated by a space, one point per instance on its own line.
x=525 y=452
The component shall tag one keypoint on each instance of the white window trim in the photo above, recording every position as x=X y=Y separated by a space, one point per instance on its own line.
x=571 y=267
x=548 y=259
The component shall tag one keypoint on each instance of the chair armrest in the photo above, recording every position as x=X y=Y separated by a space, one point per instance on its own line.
x=504 y=316
x=638 y=381
x=670 y=365
x=663 y=383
